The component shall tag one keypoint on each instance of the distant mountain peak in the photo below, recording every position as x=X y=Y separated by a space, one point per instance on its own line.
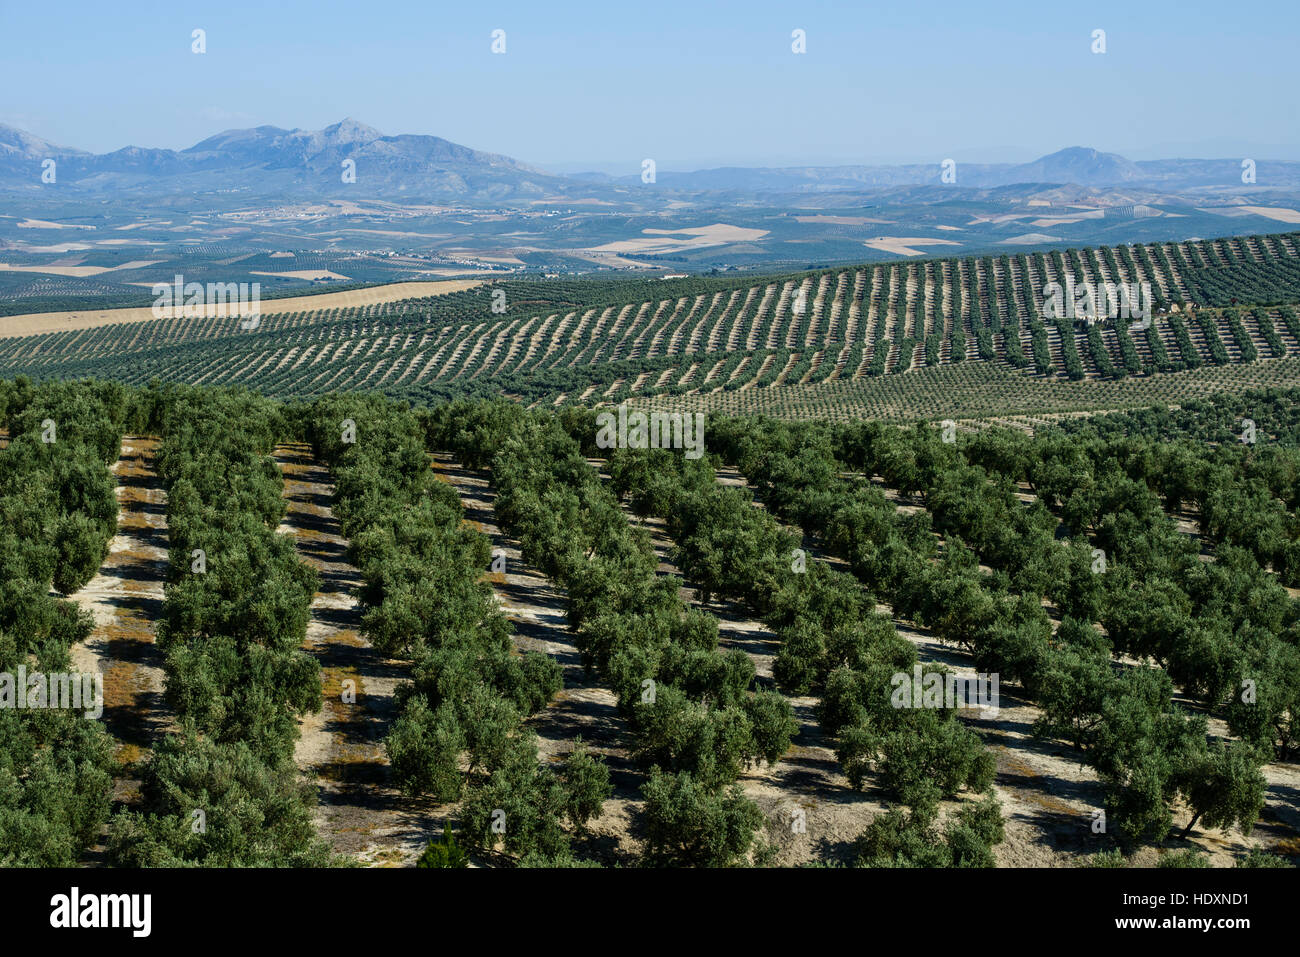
x=237 y=138
x=1078 y=152
x=1082 y=165
x=21 y=143
x=271 y=159
x=349 y=130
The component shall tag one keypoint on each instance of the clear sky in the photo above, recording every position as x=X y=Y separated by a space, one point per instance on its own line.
x=601 y=85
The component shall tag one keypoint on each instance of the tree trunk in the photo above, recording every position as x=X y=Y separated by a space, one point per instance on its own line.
x=1191 y=824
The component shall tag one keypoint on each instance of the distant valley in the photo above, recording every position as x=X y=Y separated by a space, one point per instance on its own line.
x=348 y=205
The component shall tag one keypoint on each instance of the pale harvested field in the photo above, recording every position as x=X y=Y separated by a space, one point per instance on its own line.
x=303 y=274
x=41 y=322
x=1279 y=213
x=46 y=224
x=341 y=748
x=79 y=271
x=672 y=240
x=902 y=245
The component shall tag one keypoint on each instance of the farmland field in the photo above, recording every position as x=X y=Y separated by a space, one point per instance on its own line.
x=466 y=604
x=443 y=612
x=37 y=323
x=959 y=338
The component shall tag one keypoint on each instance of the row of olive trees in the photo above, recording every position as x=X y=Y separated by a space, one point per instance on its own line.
x=1152 y=595
x=461 y=732
x=696 y=720
x=223 y=791
x=58 y=511
x=831 y=641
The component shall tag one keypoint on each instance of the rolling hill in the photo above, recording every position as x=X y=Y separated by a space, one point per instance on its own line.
x=922 y=338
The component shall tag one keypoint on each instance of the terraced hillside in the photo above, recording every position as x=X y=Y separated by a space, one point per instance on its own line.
x=892 y=339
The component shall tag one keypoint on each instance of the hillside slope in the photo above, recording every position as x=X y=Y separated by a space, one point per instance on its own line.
x=820 y=341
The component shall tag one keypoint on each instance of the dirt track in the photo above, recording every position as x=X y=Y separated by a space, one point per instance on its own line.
x=125 y=598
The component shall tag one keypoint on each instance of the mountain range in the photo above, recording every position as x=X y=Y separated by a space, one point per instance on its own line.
x=268 y=160
x=1075 y=165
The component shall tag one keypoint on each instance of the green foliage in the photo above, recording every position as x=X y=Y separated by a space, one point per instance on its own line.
x=443 y=853
x=520 y=806
x=460 y=727
x=772 y=725
x=688 y=824
x=234 y=620
x=1185 y=858
x=898 y=839
x=1258 y=858
x=424 y=749
x=1111 y=859
x=55 y=784
x=1098 y=544
x=972 y=558
x=252 y=814
x=925 y=755
x=58 y=510
x=586 y=785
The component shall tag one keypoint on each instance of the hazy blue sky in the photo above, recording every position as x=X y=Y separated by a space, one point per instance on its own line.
x=691 y=84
